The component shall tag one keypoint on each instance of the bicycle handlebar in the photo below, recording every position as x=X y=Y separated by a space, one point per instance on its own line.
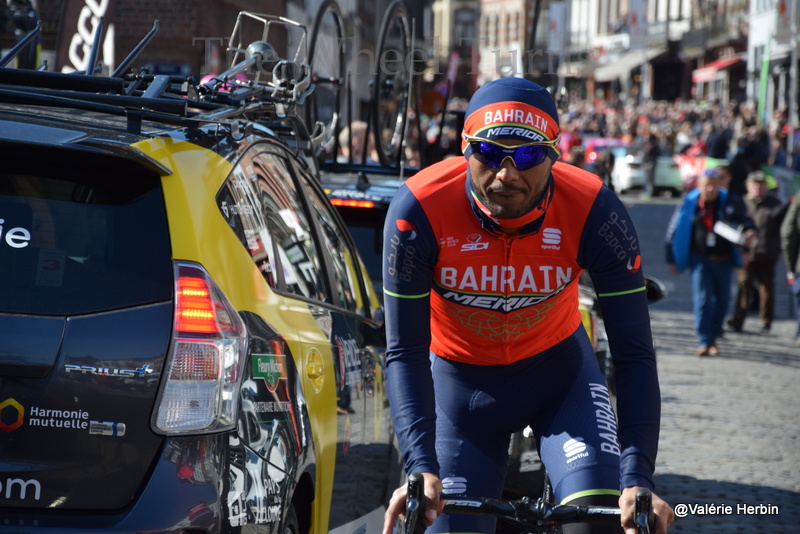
x=533 y=512
x=526 y=513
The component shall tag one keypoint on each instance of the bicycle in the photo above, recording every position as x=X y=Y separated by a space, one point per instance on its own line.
x=529 y=515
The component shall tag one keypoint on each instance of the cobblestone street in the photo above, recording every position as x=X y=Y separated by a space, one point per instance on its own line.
x=729 y=456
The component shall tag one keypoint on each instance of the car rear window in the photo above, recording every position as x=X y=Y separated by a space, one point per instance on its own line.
x=366 y=227
x=80 y=234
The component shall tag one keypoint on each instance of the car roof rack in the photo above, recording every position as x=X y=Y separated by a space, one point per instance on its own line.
x=258 y=86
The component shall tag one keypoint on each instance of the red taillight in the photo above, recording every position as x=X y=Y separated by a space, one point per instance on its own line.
x=349 y=203
x=195 y=312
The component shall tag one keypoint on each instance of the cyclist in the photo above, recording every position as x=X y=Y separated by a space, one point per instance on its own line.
x=481 y=264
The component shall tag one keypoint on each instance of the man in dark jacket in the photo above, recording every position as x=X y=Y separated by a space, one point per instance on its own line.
x=790 y=242
x=767 y=212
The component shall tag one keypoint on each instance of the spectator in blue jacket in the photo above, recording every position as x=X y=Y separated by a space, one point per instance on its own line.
x=693 y=243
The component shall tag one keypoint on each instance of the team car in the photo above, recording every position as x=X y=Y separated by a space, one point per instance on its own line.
x=190 y=339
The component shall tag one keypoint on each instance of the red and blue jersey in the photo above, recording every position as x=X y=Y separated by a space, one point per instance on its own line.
x=457 y=288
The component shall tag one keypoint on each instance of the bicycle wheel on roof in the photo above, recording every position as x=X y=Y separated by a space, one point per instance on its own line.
x=328 y=62
x=391 y=83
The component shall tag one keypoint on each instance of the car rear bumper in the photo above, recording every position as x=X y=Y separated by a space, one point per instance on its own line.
x=183 y=494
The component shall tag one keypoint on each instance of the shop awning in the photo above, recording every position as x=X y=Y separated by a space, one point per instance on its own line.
x=624 y=64
x=709 y=71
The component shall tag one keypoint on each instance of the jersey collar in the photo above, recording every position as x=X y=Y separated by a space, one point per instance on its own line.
x=528 y=224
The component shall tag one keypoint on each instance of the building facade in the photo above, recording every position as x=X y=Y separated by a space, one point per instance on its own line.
x=608 y=50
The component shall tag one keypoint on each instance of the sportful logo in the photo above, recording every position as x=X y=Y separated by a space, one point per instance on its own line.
x=551 y=236
x=454 y=485
x=575 y=448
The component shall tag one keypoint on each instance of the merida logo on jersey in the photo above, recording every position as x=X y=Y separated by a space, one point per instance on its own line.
x=491 y=302
x=505 y=278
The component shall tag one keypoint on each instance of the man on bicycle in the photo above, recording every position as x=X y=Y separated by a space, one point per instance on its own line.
x=482 y=257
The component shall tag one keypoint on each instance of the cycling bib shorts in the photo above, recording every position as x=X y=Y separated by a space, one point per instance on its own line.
x=560 y=393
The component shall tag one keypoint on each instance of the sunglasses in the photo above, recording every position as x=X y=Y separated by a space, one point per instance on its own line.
x=523 y=156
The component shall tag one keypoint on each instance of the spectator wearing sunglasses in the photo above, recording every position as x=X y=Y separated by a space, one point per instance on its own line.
x=482 y=258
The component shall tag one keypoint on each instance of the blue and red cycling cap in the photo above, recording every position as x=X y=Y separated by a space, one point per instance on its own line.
x=511 y=109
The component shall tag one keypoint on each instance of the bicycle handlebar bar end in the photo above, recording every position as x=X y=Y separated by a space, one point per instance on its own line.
x=415 y=505
x=643 y=511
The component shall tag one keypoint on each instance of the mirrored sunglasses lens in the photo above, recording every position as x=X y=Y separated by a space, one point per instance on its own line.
x=529 y=156
x=493 y=156
x=490 y=155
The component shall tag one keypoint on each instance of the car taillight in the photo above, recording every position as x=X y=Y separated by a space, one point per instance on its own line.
x=206 y=358
x=194 y=309
x=351 y=203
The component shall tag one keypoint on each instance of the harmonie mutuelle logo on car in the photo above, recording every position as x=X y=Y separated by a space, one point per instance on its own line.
x=12 y=417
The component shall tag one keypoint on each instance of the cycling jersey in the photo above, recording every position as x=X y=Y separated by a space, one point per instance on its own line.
x=459 y=289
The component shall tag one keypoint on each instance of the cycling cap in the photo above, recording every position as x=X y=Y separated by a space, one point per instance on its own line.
x=511 y=109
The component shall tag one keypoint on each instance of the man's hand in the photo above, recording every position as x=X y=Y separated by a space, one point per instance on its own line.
x=673 y=268
x=661 y=510
x=790 y=278
x=749 y=237
x=397 y=504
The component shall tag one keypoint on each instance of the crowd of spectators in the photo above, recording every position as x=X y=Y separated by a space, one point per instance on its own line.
x=731 y=132
x=727 y=132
